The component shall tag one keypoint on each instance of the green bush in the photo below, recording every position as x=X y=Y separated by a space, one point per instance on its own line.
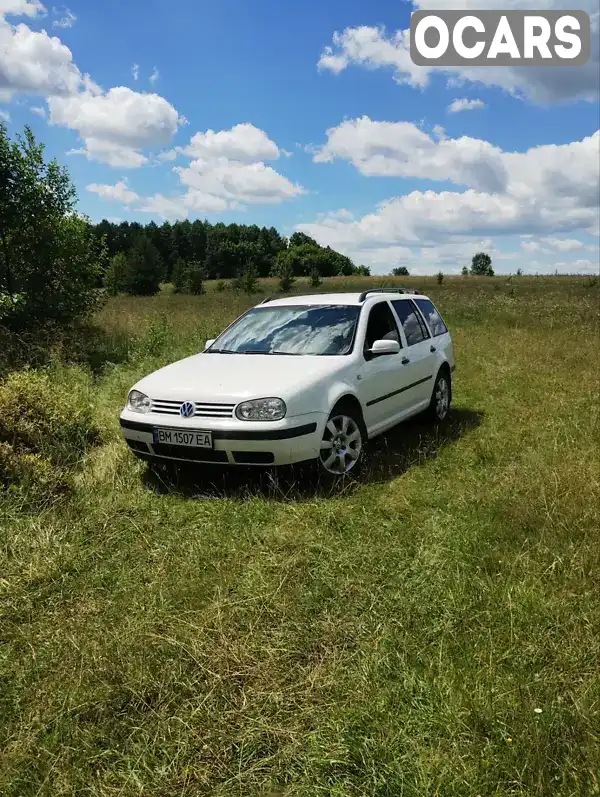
x=114 y=279
x=157 y=338
x=315 y=278
x=30 y=477
x=48 y=414
x=195 y=276
x=144 y=269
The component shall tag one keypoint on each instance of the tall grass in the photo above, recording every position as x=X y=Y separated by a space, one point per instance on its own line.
x=433 y=630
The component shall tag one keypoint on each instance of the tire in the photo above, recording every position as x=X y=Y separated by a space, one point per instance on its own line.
x=441 y=397
x=342 y=446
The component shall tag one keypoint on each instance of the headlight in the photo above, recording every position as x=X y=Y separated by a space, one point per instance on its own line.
x=138 y=402
x=267 y=409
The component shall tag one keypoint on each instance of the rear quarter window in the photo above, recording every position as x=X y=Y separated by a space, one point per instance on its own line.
x=432 y=316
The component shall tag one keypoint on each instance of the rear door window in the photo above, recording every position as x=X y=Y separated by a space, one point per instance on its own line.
x=411 y=321
x=432 y=316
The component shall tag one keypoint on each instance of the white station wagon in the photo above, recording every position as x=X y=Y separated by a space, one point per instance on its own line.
x=297 y=378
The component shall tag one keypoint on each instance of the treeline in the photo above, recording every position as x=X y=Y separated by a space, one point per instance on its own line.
x=211 y=251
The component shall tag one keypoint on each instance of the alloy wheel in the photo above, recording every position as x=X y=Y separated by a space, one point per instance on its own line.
x=341 y=445
x=442 y=398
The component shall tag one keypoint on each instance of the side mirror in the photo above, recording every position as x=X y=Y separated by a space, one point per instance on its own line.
x=209 y=343
x=381 y=347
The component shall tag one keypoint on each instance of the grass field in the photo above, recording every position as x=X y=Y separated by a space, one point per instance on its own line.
x=431 y=630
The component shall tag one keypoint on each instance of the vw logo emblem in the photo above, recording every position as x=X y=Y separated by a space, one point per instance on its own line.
x=187 y=409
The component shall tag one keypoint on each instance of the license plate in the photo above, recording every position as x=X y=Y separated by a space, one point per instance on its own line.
x=182 y=437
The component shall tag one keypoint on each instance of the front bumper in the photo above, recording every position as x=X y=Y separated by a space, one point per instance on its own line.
x=235 y=442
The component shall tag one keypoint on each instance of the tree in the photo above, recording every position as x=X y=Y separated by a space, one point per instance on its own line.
x=144 y=269
x=114 y=279
x=481 y=265
x=51 y=262
x=465 y=271
x=246 y=281
x=440 y=277
x=300 y=239
x=194 y=279
x=401 y=271
x=179 y=275
x=345 y=267
x=285 y=272
x=315 y=278
x=519 y=272
x=363 y=271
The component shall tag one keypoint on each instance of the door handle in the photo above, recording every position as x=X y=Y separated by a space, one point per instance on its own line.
x=432 y=349
x=405 y=361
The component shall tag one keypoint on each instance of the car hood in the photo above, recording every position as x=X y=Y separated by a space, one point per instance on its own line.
x=230 y=378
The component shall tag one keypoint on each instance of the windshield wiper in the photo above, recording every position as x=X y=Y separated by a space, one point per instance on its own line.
x=220 y=351
x=280 y=353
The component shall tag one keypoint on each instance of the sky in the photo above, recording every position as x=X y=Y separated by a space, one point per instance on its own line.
x=311 y=117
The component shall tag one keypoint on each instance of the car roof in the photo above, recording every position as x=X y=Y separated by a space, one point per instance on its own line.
x=339 y=298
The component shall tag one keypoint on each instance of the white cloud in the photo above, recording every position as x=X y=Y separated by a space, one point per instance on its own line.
x=463 y=104
x=66 y=20
x=226 y=171
x=581 y=266
x=547 y=175
x=120 y=192
x=547 y=190
x=401 y=149
x=36 y=63
x=244 y=142
x=135 y=71
x=154 y=76
x=21 y=8
x=179 y=207
x=227 y=176
x=368 y=47
x=116 y=125
x=425 y=260
x=239 y=182
x=38 y=110
x=4 y=116
x=206 y=203
x=110 y=153
x=373 y=48
x=168 y=208
x=564 y=244
x=168 y=155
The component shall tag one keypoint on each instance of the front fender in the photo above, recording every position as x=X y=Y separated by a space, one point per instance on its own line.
x=321 y=397
x=339 y=391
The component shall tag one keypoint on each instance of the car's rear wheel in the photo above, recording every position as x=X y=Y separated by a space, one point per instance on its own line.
x=441 y=397
x=342 y=443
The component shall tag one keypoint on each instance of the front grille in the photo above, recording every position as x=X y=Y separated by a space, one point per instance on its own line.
x=190 y=453
x=203 y=410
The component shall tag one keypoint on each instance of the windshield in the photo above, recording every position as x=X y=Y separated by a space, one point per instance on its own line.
x=312 y=330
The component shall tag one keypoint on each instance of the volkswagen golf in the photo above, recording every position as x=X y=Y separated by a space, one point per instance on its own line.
x=297 y=378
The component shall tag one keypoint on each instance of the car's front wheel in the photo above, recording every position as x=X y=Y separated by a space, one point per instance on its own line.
x=342 y=443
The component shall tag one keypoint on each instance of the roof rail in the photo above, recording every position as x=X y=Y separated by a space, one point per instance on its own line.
x=364 y=294
x=268 y=299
